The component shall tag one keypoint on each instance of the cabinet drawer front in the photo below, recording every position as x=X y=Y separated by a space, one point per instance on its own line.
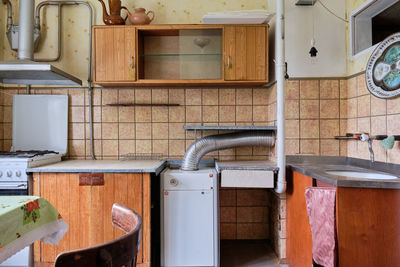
x=91 y=179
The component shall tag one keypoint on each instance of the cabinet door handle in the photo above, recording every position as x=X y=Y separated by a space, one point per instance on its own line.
x=131 y=62
x=229 y=62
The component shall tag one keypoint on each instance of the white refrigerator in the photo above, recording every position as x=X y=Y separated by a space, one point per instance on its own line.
x=189 y=218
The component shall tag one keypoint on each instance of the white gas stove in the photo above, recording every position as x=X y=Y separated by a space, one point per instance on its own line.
x=40 y=129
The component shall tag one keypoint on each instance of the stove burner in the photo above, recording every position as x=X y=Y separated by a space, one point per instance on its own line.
x=25 y=154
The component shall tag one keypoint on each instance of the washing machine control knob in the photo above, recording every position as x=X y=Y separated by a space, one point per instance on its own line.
x=173 y=182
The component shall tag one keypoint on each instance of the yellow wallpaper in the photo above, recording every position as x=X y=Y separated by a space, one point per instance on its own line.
x=74 y=56
x=357 y=65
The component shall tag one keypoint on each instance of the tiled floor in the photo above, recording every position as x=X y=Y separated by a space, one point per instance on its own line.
x=249 y=253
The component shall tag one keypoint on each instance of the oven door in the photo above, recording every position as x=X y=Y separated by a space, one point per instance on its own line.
x=24 y=257
x=13 y=189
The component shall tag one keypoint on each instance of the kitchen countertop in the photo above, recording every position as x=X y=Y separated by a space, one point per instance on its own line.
x=133 y=166
x=258 y=165
x=316 y=166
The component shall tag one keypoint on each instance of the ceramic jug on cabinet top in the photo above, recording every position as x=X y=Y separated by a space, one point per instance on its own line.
x=140 y=16
x=114 y=18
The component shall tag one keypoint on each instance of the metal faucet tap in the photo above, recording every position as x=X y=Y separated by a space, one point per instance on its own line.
x=365 y=137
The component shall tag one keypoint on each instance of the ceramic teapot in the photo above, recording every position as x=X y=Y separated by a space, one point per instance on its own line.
x=114 y=18
x=140 y=16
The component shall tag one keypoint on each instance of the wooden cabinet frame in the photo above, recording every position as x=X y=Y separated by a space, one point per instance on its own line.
x=111 y=69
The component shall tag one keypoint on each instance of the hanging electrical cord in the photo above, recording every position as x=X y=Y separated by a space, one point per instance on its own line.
x=330 y=11
x=313 y=51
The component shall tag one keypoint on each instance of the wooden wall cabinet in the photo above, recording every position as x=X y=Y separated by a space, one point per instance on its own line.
x=161 y=55
x=367 y=221
x=87 y=210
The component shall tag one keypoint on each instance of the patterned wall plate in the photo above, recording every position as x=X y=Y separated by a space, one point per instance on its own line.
x=383 y=68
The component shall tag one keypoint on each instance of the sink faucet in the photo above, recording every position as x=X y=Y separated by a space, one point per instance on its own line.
x=365 y=137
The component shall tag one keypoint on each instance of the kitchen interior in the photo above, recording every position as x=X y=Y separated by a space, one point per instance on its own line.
x=255 y=143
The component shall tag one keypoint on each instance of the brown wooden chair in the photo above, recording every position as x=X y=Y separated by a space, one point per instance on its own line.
x=119 y=252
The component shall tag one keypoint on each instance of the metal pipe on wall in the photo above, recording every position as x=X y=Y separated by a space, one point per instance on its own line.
x=280 y=78
x=25 y=37
x=9 y=14
x=210 y=143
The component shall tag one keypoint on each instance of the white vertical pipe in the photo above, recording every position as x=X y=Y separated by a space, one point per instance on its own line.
x=25 y=36
x=280 y=79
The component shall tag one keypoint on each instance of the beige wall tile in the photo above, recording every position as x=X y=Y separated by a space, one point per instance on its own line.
x=343 y=108
x=176 y=96
x=143 y=114
x=109 y=114
x=378 y=125
x=292 y=128
x=160 y=130
x=76 y=97
x=110 y=130
x=292 y=89
x=330 y=148
x=227 y=96
x=8 y=114
x=193 y=113
x=159 y=114
x=260 y=113
x=143 y=146
x=244 y=113
x=393 y=105
x=176 y=147
x=97 y=113
x=309 y=147
x=76 y=130
x=379 y=151
x=143 y=131
x=226 y=113
x=126 y=130
x=110 y=147
x=362 y=85
x=343 y=89
x=193 y=96
x=244 y=151
x=292 y=146
x=210 y=97
x=244 y=96
x=393 y=124
x=309 y=109
x=159 y=96
x=364 y=124
x=177 y=114
x=176 y=131
x=329 y=128
x=260 y=96
x=76 y=148
x=126 y=114
x=210 y=113
x=77 y=114
x=126 y=96
x=160 y=147
x=329 y=89
x=142 y=96
x=329 y=109
x=109 y=96
x=352 y=126
x=394 y=154
x=127 y=147
x=292 y=109
x=352 y=87
x=352 y=107
x=352 y=149
x=309 y=89
x=364 y=106
x=378 y=106
x=343 y=127
x=97 y=148
x=309 y=129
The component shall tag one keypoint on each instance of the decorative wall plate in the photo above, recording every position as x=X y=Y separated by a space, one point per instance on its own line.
x=383 y=68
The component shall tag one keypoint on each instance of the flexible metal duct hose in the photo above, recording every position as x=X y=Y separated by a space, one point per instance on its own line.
x=223 y=141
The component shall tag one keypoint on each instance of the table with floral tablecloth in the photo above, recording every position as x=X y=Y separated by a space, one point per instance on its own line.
x=25 y=219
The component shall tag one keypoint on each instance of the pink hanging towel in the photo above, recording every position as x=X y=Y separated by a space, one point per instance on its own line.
x=321 y=215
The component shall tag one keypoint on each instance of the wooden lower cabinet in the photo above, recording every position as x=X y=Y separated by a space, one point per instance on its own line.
x=367 y=222
x=87 y=210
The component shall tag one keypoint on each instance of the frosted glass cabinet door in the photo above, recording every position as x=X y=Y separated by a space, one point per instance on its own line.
x=188 y=228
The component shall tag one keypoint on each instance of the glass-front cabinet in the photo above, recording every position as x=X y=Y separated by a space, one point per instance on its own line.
x=180 y=55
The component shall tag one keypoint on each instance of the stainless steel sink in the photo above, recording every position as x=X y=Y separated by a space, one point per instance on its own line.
x=362 y=175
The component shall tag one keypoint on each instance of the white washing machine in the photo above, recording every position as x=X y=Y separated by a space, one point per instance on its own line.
x=189 y=218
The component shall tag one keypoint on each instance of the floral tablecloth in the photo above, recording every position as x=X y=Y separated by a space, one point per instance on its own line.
x=25 y=219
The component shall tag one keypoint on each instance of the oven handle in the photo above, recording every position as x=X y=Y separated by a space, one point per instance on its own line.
x=13 y=186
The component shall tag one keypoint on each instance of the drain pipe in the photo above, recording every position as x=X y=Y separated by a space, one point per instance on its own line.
x=211 y=143
x=9 y=14
x=280 y=78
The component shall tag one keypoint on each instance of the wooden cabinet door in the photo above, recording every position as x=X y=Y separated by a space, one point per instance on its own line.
x=114 y=54
x=299 y=238
x=87 y=210
x=245 y=53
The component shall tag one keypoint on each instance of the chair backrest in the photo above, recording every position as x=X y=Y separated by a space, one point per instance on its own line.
x=118 y=252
